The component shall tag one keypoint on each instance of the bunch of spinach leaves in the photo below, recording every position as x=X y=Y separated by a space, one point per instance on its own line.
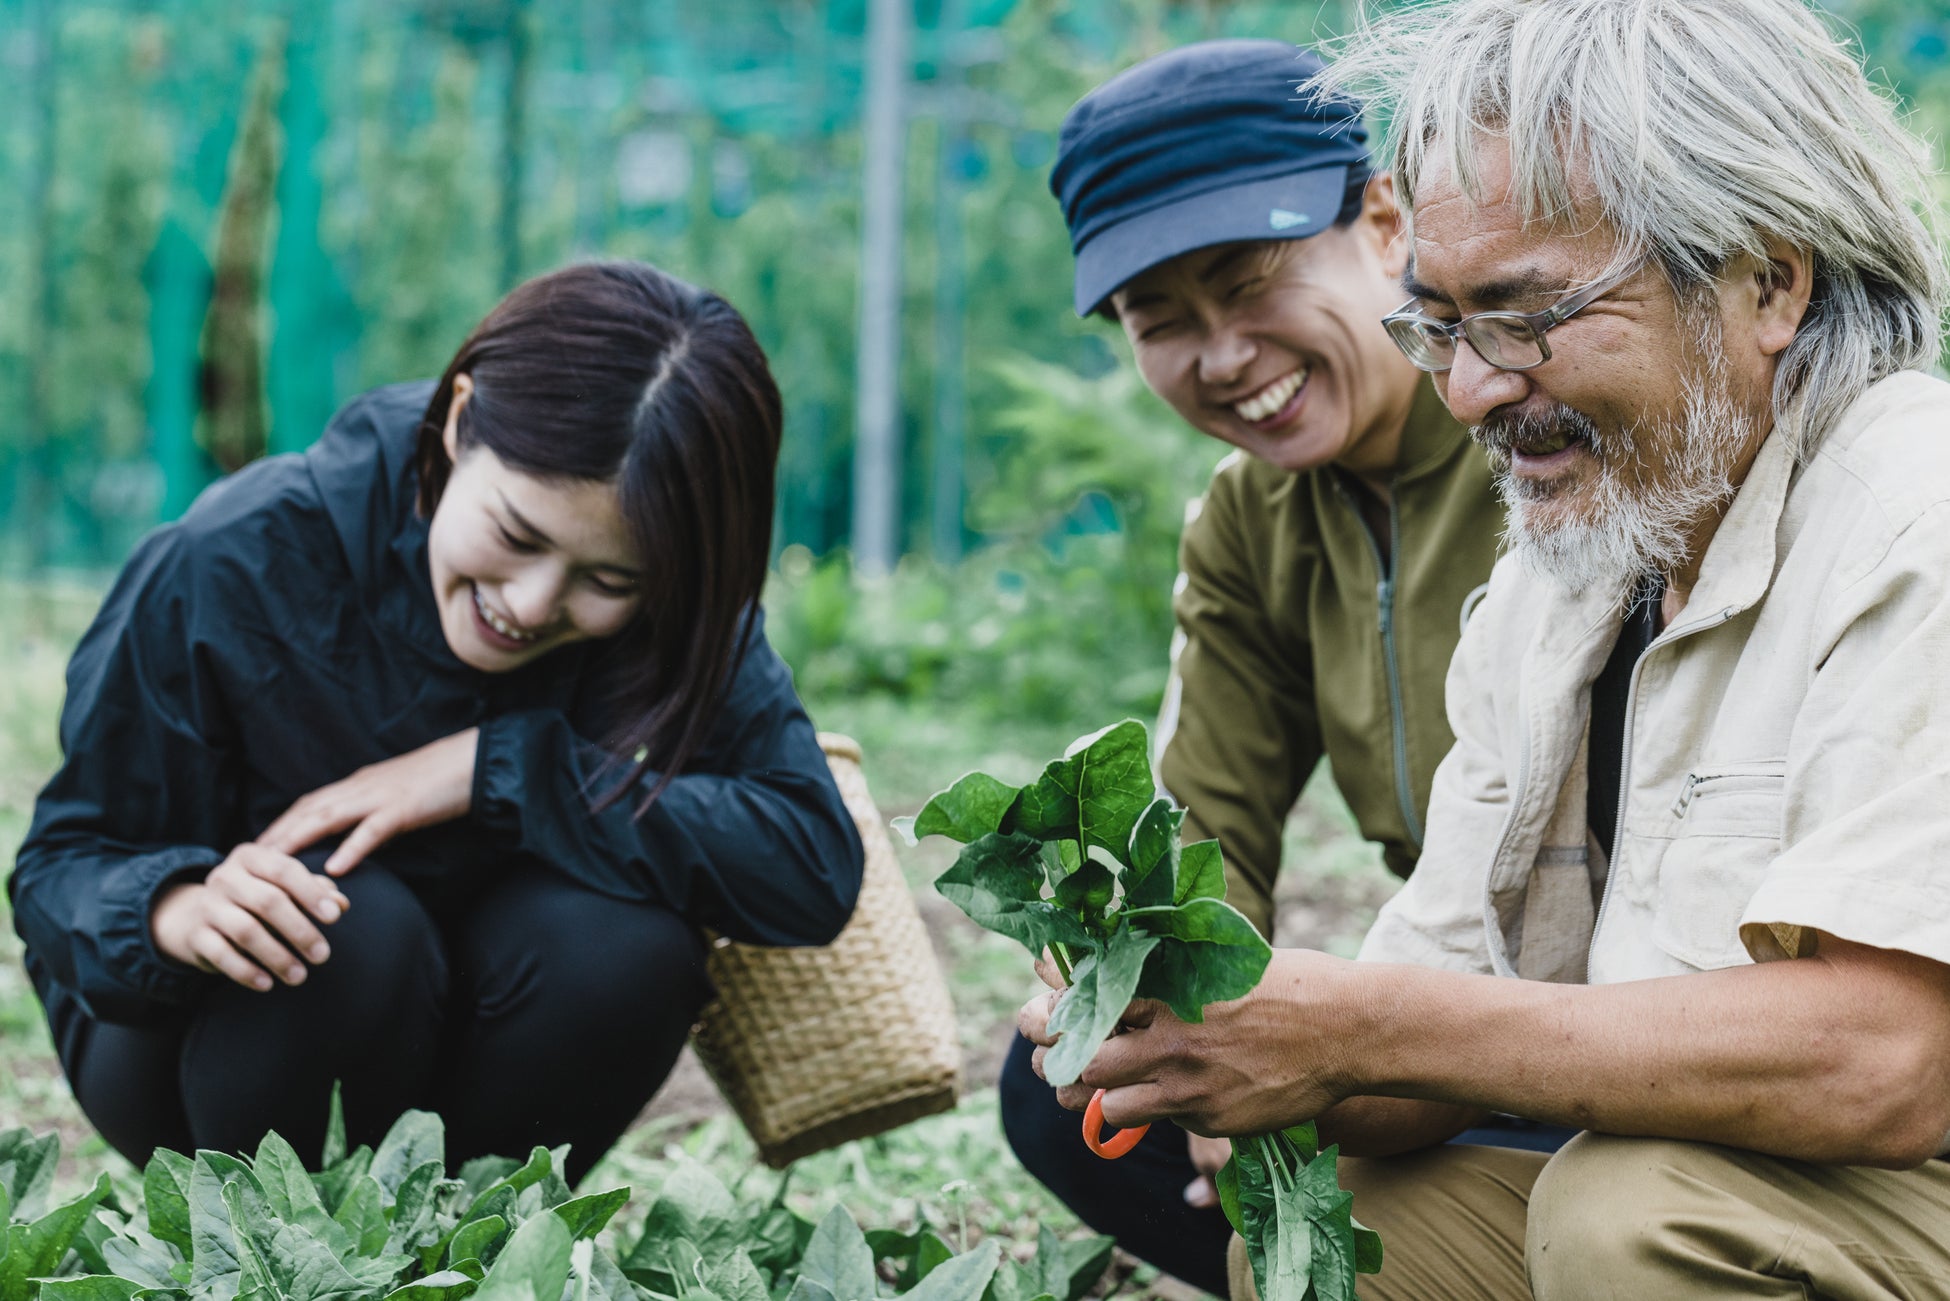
x=1283 y=1195
x=1128 y=912
x=390 y=1225
x=1085 y=862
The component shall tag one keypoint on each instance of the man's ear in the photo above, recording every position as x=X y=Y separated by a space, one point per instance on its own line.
x=1383 y=221
x=450 y=436
x=1784 y=282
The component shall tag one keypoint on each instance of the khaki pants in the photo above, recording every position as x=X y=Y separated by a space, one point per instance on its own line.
x=1639 y=1219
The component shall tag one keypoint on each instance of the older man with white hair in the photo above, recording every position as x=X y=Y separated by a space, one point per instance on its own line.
x=1686 y=883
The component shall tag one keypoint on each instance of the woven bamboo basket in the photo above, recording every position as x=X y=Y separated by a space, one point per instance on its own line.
x=813 y=1047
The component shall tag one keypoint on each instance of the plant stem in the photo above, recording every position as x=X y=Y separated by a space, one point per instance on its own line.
x=1062 y=961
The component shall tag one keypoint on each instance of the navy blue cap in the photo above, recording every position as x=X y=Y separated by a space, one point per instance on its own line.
x=1204 y=145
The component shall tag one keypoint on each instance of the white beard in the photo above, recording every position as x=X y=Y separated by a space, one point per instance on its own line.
x=1627 y=532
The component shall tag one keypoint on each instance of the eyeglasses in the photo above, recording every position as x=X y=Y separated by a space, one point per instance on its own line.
x=1506 y=340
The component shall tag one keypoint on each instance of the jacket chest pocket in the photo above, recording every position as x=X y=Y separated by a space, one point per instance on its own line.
x=1728 y=833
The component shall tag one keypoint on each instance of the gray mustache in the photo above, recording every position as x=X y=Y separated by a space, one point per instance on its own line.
x=1501 y=434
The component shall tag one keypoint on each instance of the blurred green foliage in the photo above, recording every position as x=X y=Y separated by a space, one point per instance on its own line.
x=1064 y=614
x=353 y=183
x=341 y=189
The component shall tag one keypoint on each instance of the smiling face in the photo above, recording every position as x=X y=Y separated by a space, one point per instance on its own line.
x=1276 y=347
x=1619 y=454
x=523 y=565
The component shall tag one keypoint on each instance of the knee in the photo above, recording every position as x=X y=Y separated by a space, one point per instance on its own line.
x=1625 y=1210
x=1033 y=1121
x=386 y=938
x=585 y=956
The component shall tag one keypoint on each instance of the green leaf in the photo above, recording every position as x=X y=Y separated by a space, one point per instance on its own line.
x=1152 y=878
x=292 y=1195
x=1087 y=891
x=1081 y=1262
x=447 y=1285
x=34 y=1250
x=1102 y=987
x=534 y=1264
x=778 y=1237
x=918 y=1252
x=87 y=1244
x=1304 y=1139
x=27 y=1171
x=967 y=811
x=334 y=1151
x=416 y=1138
x=998 y=882
x=90 y=1287
x=1211 y=954
x=1367 y=1248
x=1068 y=1270
x=805 y=1289
x=1201 y=873
x=483 y=1172
x=165 y=1194
x=416 y=1208
x=300 y=1267
x=1010 y=1283
x=960 y=1278
x=839 y=1260
x=736 y=1278
x=336 y=1183
x=610 y=1283
x=148 y=1260
x=363 y=1216
x=379 y=1273
x=476 y=1240
x=498 y=1198
x=586 y=1216
x=1095 y=794
x=693 y=1206
x=1327 y=1208
x=214 y=1269
x=1226 y=1182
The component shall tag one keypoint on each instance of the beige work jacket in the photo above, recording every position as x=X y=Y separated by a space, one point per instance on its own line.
x=1787 y=760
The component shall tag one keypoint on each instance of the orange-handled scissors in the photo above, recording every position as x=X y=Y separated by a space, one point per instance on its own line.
x=1093 y=1131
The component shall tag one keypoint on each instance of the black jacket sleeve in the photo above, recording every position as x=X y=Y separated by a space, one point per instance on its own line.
x=754 y=842
x=141 y=801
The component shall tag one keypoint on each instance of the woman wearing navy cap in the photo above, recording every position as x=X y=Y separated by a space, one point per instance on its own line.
x=1233 y=228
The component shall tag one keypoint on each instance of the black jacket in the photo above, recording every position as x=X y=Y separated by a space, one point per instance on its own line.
x=282 y=634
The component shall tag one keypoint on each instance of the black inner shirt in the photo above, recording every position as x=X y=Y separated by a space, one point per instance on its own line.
x=1609 y=694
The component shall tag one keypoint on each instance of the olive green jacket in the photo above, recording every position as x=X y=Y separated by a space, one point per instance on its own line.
x=1298 y=640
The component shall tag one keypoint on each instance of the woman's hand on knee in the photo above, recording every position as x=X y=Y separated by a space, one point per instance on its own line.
x=432 y=784
x=251 y=918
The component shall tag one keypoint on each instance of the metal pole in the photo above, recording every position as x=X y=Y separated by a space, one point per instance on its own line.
x=877 y=430
x=950 y=301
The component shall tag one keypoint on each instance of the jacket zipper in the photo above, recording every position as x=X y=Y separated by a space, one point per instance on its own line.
x=1670 y=636
x=1385 y=599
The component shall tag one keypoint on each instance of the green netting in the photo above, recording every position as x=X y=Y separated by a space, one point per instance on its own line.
x=221 y=218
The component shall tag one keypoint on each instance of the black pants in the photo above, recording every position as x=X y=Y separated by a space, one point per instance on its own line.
x=524 y=1010
x=1139 y=1199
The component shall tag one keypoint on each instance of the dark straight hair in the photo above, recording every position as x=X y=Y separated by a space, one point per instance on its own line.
x=618 y=373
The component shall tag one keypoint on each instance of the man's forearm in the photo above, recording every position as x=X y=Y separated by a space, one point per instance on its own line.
x=1374 y=1126
x=1833 y=1058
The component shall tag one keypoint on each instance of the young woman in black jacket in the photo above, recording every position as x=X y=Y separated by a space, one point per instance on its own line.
x=418 y=760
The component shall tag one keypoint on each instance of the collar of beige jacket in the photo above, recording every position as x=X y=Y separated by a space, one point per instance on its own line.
x=1739 y=562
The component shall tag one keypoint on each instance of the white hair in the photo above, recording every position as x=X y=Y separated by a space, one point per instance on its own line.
x=1697 y=129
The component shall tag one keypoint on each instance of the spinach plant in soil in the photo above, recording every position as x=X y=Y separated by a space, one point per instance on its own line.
x=390 y=1225
x=1086 y=863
